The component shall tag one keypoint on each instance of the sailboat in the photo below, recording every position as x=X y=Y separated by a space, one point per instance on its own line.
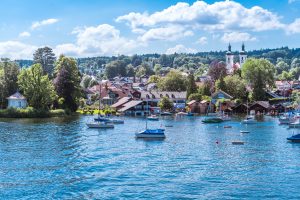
x=101 y=122
x=151 y=133
x=101 y=118
x=249 y=118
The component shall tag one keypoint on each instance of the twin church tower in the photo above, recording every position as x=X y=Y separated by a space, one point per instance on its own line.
x=230 y=59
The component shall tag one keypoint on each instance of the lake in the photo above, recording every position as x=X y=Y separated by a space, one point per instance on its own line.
x=63 y=159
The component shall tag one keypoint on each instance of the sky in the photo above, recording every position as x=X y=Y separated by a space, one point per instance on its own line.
x=86 y=28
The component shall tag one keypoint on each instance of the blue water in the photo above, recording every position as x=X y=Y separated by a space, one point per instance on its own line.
x=62 y=159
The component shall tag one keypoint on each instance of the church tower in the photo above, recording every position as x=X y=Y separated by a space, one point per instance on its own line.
x=243 y=55
x=229 y=59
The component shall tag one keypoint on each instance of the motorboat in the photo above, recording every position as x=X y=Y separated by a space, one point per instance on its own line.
x=287 y=118
x=249 y=120
x=151 y=133
x=181 y=114
x=237 y=142
x=153 y=118
x=165 y=113
x=295 y=124
x=212 y=120
x=109 y=120
x=100 y=125
x=294 y=138
x=245 y=131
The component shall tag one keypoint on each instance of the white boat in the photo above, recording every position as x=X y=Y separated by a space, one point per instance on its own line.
x=153 y=118
x=245 y=131
x=286 y=120
x=295 y=124
x=249 y=120
x=109 y=120
x=100 y=125
x=151 y=133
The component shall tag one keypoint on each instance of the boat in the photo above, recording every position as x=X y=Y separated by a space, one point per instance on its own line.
x=109 y=120
x=245 y=131
x=181 y=114
x=294 y=138
x=287 y=118
x=295 y=124
x=212 y=120
x=151 y=133
x=190 y=114
x=249 y=120
x=100 y=125
x=165 y=113
x=153 y=118
x=227 y=126
x=237 y=142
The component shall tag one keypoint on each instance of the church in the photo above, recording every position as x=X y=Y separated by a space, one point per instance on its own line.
x=230 y=65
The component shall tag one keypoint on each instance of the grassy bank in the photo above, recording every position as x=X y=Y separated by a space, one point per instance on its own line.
x=31 y=113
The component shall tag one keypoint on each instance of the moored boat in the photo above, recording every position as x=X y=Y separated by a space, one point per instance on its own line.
x=153 y=118
x=294 y=138
x=165 y=113
x=212 y=120
x=151 y=133
x=295 y=124
x=100 y=125
x=249 y=120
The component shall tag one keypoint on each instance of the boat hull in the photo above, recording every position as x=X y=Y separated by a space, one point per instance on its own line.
x=96 y=125
x=151 y=133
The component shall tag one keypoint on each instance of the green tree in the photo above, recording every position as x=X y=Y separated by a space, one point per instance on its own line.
x=205 y=88
x=286 y=76
x=115 y=68
x=130 y=71
x=9 y=72
x=191 y=85
x=236 y=87
x=46 y=58
x=144 y=69
x=166 y=104
x=220 y=84
x=174 y=81
x=259 y=74
x=154 y=79
x=157 y=69
x=282 y=66
x=67 y=82
x=195 y=96
x=36 y=87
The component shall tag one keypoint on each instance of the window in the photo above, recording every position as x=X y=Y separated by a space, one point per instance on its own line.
x=20 y=104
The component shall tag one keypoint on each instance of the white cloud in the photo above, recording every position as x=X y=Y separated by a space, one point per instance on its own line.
x=100 y=40
x=169 y=33
x=237 y=37
x=294 y=27
x=202 y=40
x=223 y=15
x=24 y=34
x=180 y=49
x=45 y=22
x=292 y=1
x=16 y=50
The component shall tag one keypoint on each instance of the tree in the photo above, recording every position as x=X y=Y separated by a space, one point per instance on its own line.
x=220 y=84
x=67 y=83
x=191 y=85
x=286 y=76
x=236 y=87
x=157 y=69
x=154 y=79
x=166 y=104
x=217 y=70
x=295 y=63
x=115 y=68
x=282 y=66
x=174 y=81
x=295 y=73
x=195 y=96
x=8 y=79
x=205 y=88
x=259 y=74
x=36 y=87
x=46 y=58
x=144 y=69
x=130 y=71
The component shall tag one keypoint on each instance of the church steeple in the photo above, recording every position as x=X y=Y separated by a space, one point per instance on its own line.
x=243 y=55
x=229 y=59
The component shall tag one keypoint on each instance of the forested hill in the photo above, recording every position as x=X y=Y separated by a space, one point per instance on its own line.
x=180 y=60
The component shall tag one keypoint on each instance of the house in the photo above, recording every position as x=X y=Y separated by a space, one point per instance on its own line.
x=225 y=99
x=134 y=107
x=201 y=107
x=260 y=107
x=119 y=104
x=17 y=100
x=240 y=108
x=152 y=98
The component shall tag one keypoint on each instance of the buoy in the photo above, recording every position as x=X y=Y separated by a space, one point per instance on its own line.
x=217 y=142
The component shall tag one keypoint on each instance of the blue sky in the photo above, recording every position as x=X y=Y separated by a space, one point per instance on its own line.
x=83 y=28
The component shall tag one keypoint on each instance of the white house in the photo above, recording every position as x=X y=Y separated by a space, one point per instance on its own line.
x=17 y=100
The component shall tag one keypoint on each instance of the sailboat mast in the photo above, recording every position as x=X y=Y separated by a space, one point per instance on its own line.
x=100 y=85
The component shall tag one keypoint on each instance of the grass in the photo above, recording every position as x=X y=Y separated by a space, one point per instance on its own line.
x=30 y=112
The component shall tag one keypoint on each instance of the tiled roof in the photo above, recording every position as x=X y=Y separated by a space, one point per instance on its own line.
x=121 y=102
x=159 y=95
x=129 y=105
